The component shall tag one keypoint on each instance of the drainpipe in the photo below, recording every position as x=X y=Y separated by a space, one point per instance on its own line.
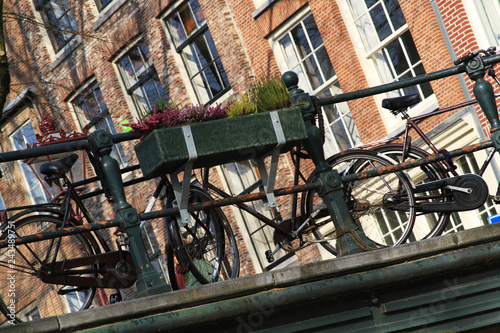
x=465 y=90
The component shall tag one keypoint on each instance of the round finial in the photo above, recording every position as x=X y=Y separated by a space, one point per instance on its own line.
x=290 y=79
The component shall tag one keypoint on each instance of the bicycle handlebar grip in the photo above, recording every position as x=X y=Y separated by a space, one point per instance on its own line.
x=463 y=59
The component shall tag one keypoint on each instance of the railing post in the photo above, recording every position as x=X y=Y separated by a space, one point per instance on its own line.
x=149 y=281
x=483 y=91
x=330 y=182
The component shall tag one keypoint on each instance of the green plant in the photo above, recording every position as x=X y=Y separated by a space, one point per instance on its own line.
x=241 y=107
x=269 y=93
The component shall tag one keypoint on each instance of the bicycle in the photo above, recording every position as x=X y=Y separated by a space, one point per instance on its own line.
x=59 y=275
x=439 y=190
x=365 y=199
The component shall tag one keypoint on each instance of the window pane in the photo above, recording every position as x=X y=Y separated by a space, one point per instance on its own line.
x=300 y=41
x=313 y=32
x=289 y=51
x=410 y=47
x=397 y=56
x=395 y=13
x=313 y=73
x=426 y=86
x=176 y=29
x=380 y=22
x=326 y=65
x=187 y=20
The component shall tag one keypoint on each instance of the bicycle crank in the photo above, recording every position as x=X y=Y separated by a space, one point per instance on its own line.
x=465 y=192
x=83 y=272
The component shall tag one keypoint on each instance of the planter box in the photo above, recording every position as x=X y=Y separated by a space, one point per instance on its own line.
x=219 y=141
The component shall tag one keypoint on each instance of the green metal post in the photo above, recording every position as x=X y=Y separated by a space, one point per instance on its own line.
x=330 y=182
x=149 y=282
x=483 y=91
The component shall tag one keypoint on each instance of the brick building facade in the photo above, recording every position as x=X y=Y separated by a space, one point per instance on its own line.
x=115 y=58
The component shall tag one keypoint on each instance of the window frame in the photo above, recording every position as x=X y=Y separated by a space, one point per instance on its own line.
x=117 y=150
x=150 y=73
x=332 y=145
x=27 y=174
x=41 y=7
x=201 y=30
x=394 y=125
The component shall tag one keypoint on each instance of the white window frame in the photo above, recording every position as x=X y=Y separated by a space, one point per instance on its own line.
x=25 y=169
x=117 y=151
x=133 y=104
x=393 y=124
x=59 y=56
x=479 y=18
x=331 y=145
x=235 y=185
x=189 y=83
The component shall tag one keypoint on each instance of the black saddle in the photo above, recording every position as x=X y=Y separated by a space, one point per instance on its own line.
x=400 y=103
x=56 y=169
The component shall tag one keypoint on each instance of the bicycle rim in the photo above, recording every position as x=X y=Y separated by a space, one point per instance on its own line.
x=23 y=264
x=382 y=206
x=199 y=245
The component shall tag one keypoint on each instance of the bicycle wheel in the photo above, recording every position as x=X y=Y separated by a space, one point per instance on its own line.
x=206 y=246
x=426 y=224
x=23 y=265
x=230 y=267
x=382 y=206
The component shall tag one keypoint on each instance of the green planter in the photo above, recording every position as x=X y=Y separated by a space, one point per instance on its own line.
x=219 y=141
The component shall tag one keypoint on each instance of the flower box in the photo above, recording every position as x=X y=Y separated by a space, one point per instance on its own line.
x=207 y=144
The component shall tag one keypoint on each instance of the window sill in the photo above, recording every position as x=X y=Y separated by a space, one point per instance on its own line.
x=107 y=13
x=66 y=51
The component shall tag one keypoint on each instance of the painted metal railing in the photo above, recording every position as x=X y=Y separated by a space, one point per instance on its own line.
x=329 y=182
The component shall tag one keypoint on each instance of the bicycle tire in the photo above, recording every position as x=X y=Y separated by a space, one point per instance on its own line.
x=30 y=291
x=231 y=262
x=426 y=225
x=366 y=201
x=200 y=246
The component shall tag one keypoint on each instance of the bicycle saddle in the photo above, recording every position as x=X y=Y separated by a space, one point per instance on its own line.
x=400 y=103
x=56 y=169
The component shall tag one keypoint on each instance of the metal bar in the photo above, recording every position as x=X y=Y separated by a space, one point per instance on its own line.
x=403 y=83
x=60 y=233
x=231 y=201
x=158 y=214
x=416 y=163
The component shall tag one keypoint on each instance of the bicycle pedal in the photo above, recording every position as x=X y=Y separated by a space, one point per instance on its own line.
x=115 y=298
x=269 y=256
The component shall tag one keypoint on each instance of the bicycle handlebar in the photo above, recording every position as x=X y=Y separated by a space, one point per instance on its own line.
x=491 y=51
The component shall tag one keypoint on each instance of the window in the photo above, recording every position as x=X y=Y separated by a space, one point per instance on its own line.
x=33 y=314
x=101 y=4
x=93 y=114
x=193 y=41
x=140 y=78
x=489 y=13
x=388 y=43
x=61 y=25
x=76 y=299
x=304 y=53
x=20 y=139
x=240 y=176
